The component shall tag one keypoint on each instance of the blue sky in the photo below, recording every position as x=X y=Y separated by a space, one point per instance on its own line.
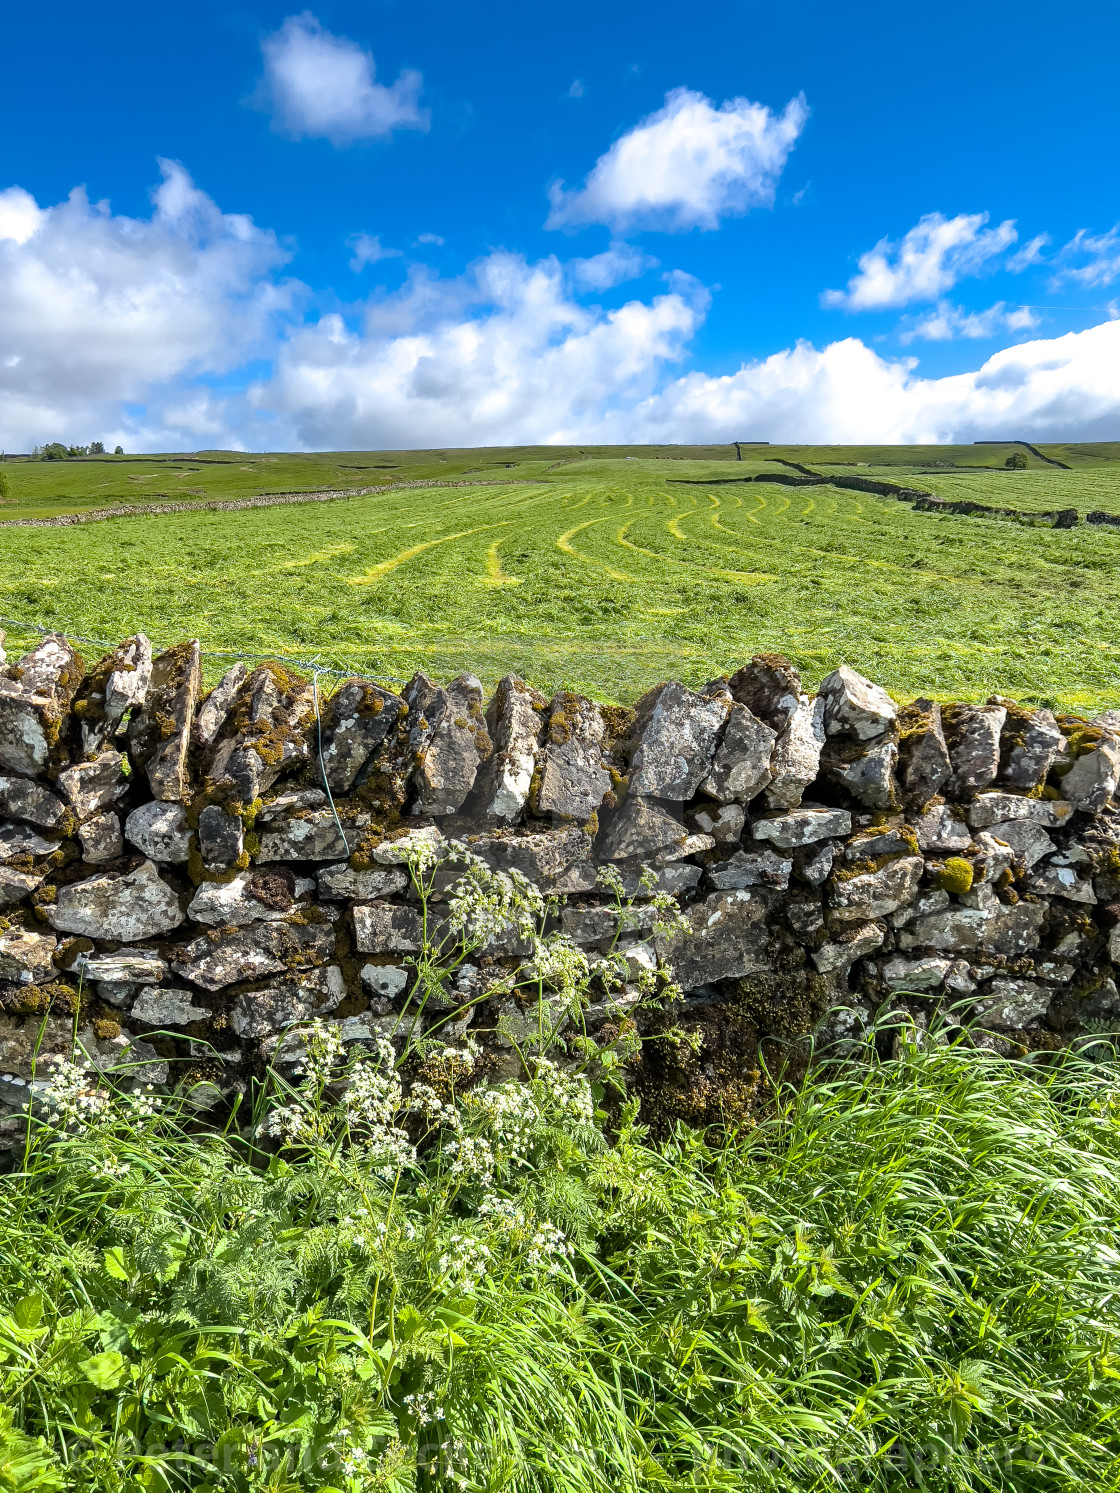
x=435 y=224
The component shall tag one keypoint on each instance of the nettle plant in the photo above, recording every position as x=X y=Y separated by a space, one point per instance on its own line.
x=284 y=1306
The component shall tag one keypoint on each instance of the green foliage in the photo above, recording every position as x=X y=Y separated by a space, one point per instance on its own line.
x=402 y=1274
x=1017 y=462
x=5 y=486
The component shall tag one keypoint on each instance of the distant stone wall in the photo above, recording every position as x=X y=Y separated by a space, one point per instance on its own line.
x=174 y=881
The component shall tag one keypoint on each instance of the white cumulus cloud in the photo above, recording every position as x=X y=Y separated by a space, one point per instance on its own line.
x=614 y=266
x=924 y=264
x=686 y=166
x=368 y=249
x=947 y=322
x=318 y=85
x=1089 y=259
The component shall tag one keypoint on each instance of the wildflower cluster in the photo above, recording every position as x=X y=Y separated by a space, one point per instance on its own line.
x=76 y=1095
x=465 y=1261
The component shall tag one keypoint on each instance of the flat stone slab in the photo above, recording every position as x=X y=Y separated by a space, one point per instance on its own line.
x=123 y=908
x=216 y=960
x=161 y=832
x=803 y=826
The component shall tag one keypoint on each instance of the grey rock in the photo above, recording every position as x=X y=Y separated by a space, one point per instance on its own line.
x=803 y=826
x=875 y=842
x=852 y=704
x=18 y=840
x=770 y=687
x=1038 y=748
x=1010 y=931
x=358 y=718
x=27 y=958
x=974 y=746
x=93 y=786
x=221 y=839
x=544 y=857
x=448 y=739
x=130 y=966
x=219 y=959
x=876 y=893
x=995 y=857
x=741 y=767
x=677 y=877
x=673 y=741
x=939 y=829
x=926 y=767
x=1093 y=778
x=384 y=980
x=728 y=939
x=690 y=845
x=286 y=804
x=725 y=824
x=250 y=897
x=395 y=851
x=641 y=829
x=35 y=697
x=868 y=776
x=1114 y=944
x=125 y=1056
x=160 y=735
x=580 y=877
x=122 y=908
x=101 y=839
x=988 y=809
x=161 y=832
x=796 y=758
x=804 y=915
x=764 y=868
x=158 y=1005
x=16 y=885
x=572 y=780
x=117 y=684
x=514 y=721
x=916 y=974
x=310 y=837
x=926 y=903
x=259 y=1013
x=386 y=928
x=599 y=926
x=1013 y=1003
x=854 y=944
x=1062 y=881
x=814 y=866
x=20 y=798
x=340 y=884
x=266 y=734
x=212 y=713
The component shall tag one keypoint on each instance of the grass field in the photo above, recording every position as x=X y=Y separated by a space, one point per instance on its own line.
x=605 y=572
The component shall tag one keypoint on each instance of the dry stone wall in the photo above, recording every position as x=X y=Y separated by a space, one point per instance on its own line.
x=178 y=888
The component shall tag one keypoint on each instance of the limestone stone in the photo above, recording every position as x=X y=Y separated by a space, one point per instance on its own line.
x=117 y=684
x=292 y=802
x=1013 y=1003
x=16 y=885
x=212 y=713
x=218 y=959
x=250 y=897
x=266 y=734
x=311 y=836
x=728 y=938
x=677 y=877
x=916 y=974
x=988 y=809
x=641 y=829
x=123 y=908
x=101 y=839
x=673 y=741
x=1038 y=748
x=384 y=980
x=741 y=766
x=854 y=943
x=995 y=857
x=515 y=722
x=448 y=740
x=129 y=966
x=93 y=786
x=939 y=829
x=600 y=926
x=802 y=826
x=221 y=838
x=852 y=704
x=874 y=842
x=770 y=687
x=159 y=1005
x=21 y=798
x=796 y=758
x=396 y=850
x=1062 y=881
x=926 y=767
x=690 y=845
x=572 y=780
x=357 y=719
x=543 y=857
x=386 y=928
x=258 y=1013
x=1010 y=931
x=35 y=697
x=339 y=883
x=974 y=746
x=27 y=958
x=1093 y=778
x=160 y=831
x=763 y=868
x=160 y=735
x=814 y=864
x=876 y=893
x=725 y=824
x=17 y=840
x=804 y=915
x=868 y=776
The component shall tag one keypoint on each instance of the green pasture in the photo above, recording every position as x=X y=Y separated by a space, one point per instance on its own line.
x=606 y=574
